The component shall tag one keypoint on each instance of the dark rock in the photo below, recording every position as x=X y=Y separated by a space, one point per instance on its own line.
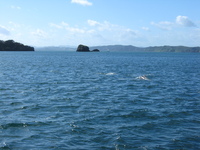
x=83 y=48
x=11 y=45
x=95 y=50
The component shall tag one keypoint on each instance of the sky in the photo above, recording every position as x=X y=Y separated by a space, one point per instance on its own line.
x=101 y=22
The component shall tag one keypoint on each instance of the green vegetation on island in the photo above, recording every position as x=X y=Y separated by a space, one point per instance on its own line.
x=84 y=48
x=130 y=48
x=122 y=48
x=11 y=45
x=172 y=49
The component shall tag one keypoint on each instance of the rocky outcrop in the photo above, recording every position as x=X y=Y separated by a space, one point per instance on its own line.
x=84 y=48
x=95 y=50
x=11 y=45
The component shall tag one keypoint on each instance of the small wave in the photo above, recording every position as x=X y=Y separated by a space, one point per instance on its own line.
x=110 y=73
x=11 y=125
x=143 y=77
x=4 y=145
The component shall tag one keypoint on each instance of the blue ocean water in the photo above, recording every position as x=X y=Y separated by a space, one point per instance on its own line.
x=99 y=101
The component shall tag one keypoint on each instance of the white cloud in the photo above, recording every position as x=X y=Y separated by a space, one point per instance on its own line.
x=127 y=36
x=93 y=23
x=64 y=24
x=14 y=25
x=82 y=2
x=102 y=26
x=67 y=27
x=180 y=20
x=113 y=33
x=15 y=7
x=55 y=26
x=164 y=25
x=75 y=30
x=131 y=32
x=145 y=28
x=39 y=33
x=95 y=33
x=4 y=31
x=184 y=21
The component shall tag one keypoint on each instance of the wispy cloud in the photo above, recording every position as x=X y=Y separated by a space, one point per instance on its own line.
x=180 y=20
x=145 y=28
x=93 y=23
x=67 y=27
x=15 y=7
x=112 y=32
x=75 y=30
x=95 y=32
x=39 y=33
x=4 y=31
x=82 y=2
x=55 y=25
x=164 y=25
x=102 y=26
x=184 y=21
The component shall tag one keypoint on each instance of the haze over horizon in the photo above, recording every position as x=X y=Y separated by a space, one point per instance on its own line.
x=101 y=22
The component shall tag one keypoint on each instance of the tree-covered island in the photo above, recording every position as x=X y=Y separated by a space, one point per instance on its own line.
x=84 y=48
x=11 y=45
x=130 y=48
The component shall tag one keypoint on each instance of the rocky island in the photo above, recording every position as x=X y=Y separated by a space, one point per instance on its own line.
x=84 y=48
x=11 y=45
x=130 y=48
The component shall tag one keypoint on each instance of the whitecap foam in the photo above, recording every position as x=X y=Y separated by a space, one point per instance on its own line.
x=143 y=77
x=110 y=73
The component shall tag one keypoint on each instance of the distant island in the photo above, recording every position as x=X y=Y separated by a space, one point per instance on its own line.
x=11 y=45
x=84 y=48
x=123 y=48
x=130 y=48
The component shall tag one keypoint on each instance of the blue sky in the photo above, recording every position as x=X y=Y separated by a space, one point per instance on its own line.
x=101 y=22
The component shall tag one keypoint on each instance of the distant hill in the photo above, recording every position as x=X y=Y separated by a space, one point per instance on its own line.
x=125 y=48
x=130 y=48
x=11 y=45
x=172 y=49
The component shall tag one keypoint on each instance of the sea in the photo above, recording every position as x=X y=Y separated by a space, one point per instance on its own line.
x=99 y=101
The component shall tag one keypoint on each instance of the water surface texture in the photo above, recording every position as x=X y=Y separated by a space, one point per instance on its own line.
x=99 y=101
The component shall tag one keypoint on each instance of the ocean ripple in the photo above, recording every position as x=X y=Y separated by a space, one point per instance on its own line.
x=66 y=100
